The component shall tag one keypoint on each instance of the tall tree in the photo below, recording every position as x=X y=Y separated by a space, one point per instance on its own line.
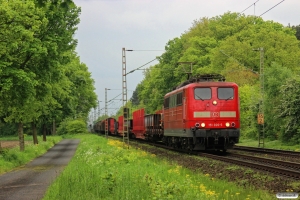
x=297 y=28
x=20 y=22
x=224 y=44
x=290 y=111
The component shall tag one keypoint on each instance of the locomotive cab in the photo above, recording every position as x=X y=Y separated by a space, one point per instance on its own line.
x=202 y=116
x=214 y=120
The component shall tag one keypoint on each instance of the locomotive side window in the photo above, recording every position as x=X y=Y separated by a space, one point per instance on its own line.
x=202 y=93
x=172 y=101
x=167 y=102
x=179 y=99
x=225 y=93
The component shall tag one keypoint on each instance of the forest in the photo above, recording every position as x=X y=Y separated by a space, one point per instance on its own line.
x=43 y=82
x=262 y=57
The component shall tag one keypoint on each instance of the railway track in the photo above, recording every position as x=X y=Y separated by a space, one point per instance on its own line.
x=263 y=164
x=278 y=167
x=274 y=162
x=268 y=151
x=283 y=168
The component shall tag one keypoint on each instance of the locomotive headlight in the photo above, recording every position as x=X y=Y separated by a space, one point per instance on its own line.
x=202 y=125
x=227 y=124
x=214 y=102
x=233 y=124
x=197 y=125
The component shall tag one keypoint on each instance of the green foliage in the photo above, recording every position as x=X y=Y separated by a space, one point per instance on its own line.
x=7 y=129
x=72 y=126
x=248 y=111
x=297 y=28
x=275 y=77
x=42 y=78
x=289 y=110
x=226 y=44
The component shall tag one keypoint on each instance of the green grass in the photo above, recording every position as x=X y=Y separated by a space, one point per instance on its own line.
x=15 y=137
x=103 y=169
x=12 y=158
x=274 y=144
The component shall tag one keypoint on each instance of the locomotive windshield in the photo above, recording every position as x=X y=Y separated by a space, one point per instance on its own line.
x=225 y=93
x=202 y=93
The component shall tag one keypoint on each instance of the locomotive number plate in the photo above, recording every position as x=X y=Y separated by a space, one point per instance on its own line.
x=215 y=124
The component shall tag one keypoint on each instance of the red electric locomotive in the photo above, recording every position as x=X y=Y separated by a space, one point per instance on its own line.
x=202 y=114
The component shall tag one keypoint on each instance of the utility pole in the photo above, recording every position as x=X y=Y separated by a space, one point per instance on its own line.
x=260 y=116
x=106 y=115
x=95 y=117
x=124 y=98
x=99 y=111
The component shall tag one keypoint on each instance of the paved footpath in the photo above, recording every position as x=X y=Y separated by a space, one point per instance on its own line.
x=31 y=181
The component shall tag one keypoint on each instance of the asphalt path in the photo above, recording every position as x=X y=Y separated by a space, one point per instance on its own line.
x=31 y=181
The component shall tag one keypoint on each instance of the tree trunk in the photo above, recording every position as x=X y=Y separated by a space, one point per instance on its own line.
x=44 y=133
x=53 y=127
x=34 y=134
x=21 y=136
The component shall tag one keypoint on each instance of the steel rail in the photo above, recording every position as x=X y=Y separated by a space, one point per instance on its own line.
x=287 y=164
x=264 y=150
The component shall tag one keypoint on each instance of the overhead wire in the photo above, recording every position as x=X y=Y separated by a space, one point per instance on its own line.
x=144 y=50
x=249 y=6
x=141 y=66
x=271 y=8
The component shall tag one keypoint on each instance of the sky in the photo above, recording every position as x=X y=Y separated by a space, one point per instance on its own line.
x=145 y=26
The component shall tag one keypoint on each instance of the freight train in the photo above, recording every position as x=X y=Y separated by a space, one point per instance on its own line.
x=202 y=113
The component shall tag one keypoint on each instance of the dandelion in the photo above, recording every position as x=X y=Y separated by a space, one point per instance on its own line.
x=206 y=174
x=226 y=191
x=237 y=193
x=210 y=193
x=202 y=188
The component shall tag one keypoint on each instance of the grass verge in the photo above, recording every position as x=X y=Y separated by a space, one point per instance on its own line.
x=11 y=158
x=274 y=144
x=103 y=169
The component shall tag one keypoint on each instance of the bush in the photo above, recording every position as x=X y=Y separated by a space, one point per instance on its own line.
x=72 y=126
